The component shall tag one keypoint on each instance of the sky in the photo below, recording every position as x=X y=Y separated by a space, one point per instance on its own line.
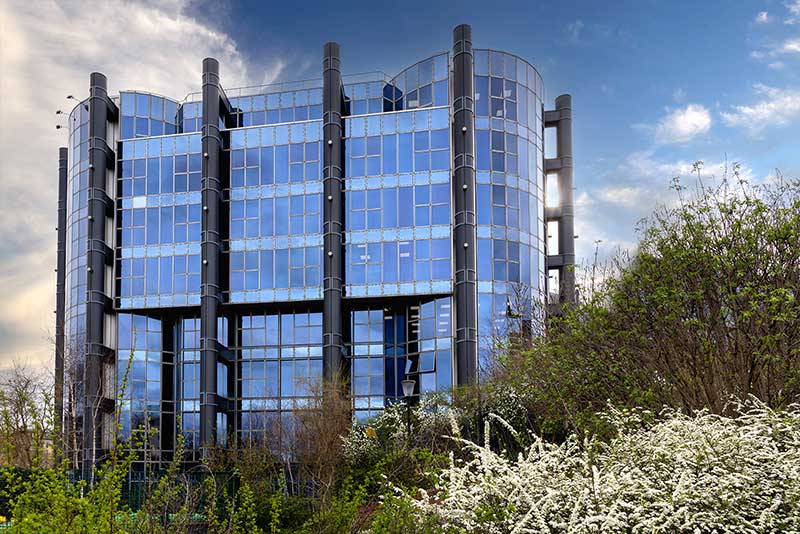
x=656 y=86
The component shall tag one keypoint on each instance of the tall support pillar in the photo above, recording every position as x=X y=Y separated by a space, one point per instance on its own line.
x=61 y=263
x=564 y=213
x=210 y=252
x=333 y=211
x=99 y=257
x=464 y=229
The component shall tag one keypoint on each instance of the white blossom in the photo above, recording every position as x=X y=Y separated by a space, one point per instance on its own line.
x=701 y=473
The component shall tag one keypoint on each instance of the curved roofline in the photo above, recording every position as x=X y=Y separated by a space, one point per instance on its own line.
x=418 y=62
x=387 y=78
x=531 y=65
x=151 y=93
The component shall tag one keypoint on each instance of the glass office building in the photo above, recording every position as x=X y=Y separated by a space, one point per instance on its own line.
x=220 y=255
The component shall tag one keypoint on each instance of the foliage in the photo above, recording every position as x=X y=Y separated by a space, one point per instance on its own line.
x=702 y=473
x=398 y=516
x=704 y=309
x=26 y=419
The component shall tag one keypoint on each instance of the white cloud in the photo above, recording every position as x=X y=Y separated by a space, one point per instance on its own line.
x=794 y=12
x=776 y=107
x=610 y=206
x=607 y=89
x=47 y=50
x=776 y=65
x=574 y=30
x=773 y=49
x=789 y=46
x=763 y=18
x=624 y=196
x=680 y=125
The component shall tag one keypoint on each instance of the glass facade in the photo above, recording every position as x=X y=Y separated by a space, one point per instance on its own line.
x=399 y=257
x=159 y=222
x=275 y=213
x=510 y=193
x=397 y=195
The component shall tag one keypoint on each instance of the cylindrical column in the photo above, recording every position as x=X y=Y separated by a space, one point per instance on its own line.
x=96 y=268
x=333 y=212
x=463 y=182
x=61 y=263
x=566 y=223
x=210 y=252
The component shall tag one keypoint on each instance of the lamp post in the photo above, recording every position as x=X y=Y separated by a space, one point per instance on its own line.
x=408 y=392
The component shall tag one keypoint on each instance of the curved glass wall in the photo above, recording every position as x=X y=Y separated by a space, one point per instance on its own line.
x=144 y=114
x=77 y=229
x=423 y=84
x=510 y=196
x=159 y=222
x=75 y=275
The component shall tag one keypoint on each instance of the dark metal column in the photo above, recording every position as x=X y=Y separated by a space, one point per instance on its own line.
x=98 y=256
x=463 y=132
x=564 y=214
x=61 y=263
x=333 y=212
x=211 y=249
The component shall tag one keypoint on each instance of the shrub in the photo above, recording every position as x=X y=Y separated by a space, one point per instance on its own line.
x=668 y=473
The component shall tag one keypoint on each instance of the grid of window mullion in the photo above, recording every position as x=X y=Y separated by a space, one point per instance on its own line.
x=423 y=84
x=433 y=331
x=274 y=108
x=139 y=375
x=367 y=364
x=188 y=380
x=280 y=361
x=159 y=221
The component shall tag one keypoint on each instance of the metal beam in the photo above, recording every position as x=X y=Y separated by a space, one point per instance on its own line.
x=564 y=261
x=101 y=159
x=61 y=264
x=333 y=211
x=464 y=227
x=210 y=253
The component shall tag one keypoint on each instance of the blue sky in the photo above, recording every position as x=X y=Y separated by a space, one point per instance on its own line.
x=656 y=85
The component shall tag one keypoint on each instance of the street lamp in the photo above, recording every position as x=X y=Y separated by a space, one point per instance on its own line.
x=408 y=392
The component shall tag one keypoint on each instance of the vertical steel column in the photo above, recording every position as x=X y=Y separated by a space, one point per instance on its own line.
x=61 y=263
x=167 y=423
x=211 y=248
x=564 y=214
x=463 y=133
x=96 y=257
x=333 y=211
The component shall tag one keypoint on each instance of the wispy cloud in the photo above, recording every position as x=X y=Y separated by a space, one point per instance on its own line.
x=631 y=191
x=574 y=30
x=776 y=107
x=679 y=125
x=763 y=18
x=794 y=12
x=156 y=46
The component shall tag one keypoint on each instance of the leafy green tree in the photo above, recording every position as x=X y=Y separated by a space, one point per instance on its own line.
x=705 y=308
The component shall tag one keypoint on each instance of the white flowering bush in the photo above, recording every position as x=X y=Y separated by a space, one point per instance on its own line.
x=434 y=420
x=360 y=445
x=679 y=473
